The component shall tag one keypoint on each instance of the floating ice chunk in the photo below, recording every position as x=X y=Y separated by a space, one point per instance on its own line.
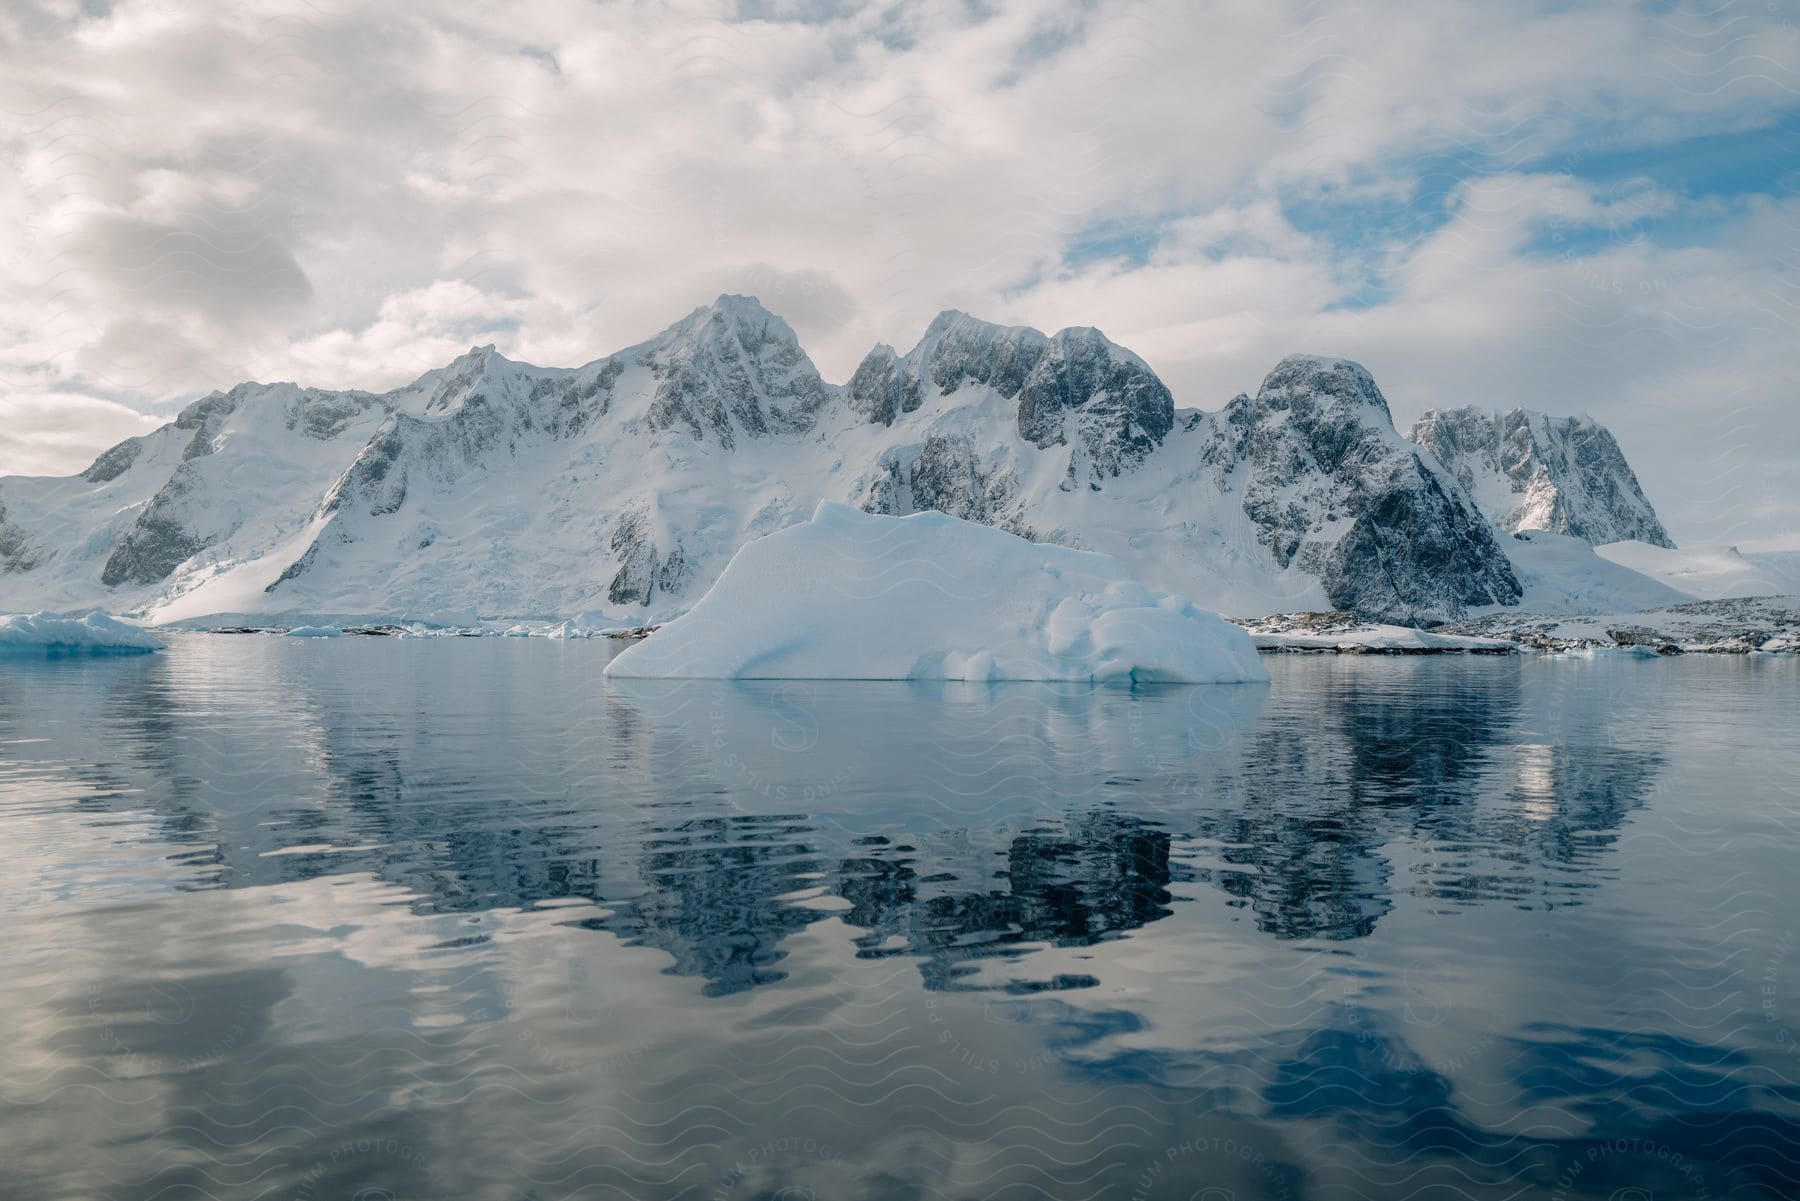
x=314 y=632
x=1634 y=651
x=97 y=633
x=852 y=595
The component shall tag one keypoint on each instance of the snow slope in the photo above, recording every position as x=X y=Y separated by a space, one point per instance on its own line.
x=935 y=597
x=1710 y=573
x=1564 y=574
x=233 y=476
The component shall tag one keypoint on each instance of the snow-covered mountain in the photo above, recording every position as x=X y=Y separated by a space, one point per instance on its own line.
x=624 y=486
x=1529 y=471
x=227 y=481
x=1337 y=494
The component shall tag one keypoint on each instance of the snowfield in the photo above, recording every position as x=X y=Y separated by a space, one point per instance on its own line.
x=1563 y=574
x=1707 y=572
x=97 y=634
x=853 y=595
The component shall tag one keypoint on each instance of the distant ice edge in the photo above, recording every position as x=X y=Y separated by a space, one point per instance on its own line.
x=860 y=596
x=95 y=634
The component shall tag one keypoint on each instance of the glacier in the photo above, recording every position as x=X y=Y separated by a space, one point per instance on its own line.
x=853 y=595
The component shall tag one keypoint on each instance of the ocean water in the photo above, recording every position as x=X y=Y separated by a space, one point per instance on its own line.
x=376 y=918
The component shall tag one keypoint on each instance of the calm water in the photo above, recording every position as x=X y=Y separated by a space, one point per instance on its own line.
x=373 y=918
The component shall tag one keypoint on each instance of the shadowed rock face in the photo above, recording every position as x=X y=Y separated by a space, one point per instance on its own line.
x=948 y=475
x=735 y=366
x=642 y=571
x=1335 y=491
x=161 y=539
x=158 y=541
x=115 y=462
x=957 y=349
x=1121 y=411
x=1529 y=471
x=16 y=553
x=1074 y=389
x=882 y=388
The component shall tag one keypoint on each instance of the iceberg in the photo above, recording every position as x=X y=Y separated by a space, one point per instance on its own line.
x=853 y=595
x=96 y=634
x=314 y=632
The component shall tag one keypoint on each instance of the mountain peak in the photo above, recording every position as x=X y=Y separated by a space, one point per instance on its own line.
x=1531 y=471
x=971 y=326
x=732 y=366
x=1343 y=385
x=730 y=318
x=737 y=303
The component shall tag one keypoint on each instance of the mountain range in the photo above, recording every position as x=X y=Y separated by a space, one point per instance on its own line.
x=621 y=488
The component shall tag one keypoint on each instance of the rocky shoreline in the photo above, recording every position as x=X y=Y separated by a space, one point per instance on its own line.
x=1740 y=626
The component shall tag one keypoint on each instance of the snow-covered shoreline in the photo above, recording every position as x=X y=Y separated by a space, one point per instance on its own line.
x=1743 y=625
x=1339 y=633
x=1749 y=625
x=1769 y=625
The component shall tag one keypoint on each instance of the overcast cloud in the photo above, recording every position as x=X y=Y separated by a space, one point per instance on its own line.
x=1572 y=208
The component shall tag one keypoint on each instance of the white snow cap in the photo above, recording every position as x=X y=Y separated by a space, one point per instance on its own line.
x=853 y=595
x=96 y=633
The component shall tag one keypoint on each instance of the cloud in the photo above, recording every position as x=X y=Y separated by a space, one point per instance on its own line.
x=349 y=194
x=58 y=433
x=411 y=333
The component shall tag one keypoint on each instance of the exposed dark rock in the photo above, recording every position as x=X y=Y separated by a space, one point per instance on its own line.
x=1565 y=475
x=1336 y=492
x=16 y=552
x=1121 y=410
x=1075 y=389
x=958 y=349
x=205 y=417
x=883 y=387
x=947 y=475
x=734 y=366
x=115 y=462
x=326 y=415
x=635 y=550
x=159 y=540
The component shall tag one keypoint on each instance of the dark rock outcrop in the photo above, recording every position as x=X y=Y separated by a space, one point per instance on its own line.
x=1529 y=471
x=1334 y=491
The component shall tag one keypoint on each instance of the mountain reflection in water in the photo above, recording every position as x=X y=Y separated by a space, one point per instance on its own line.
x=463 y=918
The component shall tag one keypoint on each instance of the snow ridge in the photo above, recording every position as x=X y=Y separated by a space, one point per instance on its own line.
x=624 y=487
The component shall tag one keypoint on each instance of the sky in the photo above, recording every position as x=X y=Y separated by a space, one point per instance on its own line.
x=1567 y=207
